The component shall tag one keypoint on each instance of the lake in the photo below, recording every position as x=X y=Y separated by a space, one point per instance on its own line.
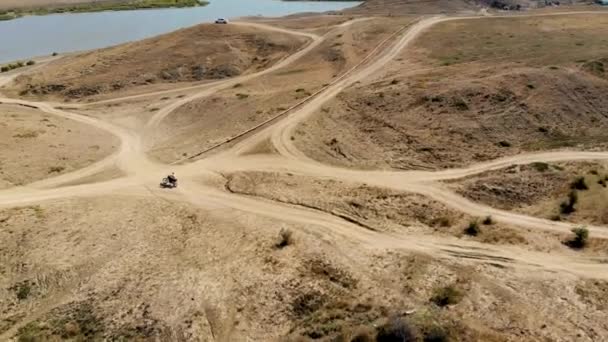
x=42 y=35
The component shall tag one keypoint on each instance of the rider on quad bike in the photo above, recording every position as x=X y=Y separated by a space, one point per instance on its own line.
x=172 y=178
x=170 y=181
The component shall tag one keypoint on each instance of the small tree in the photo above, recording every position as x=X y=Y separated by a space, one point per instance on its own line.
x=579 y=240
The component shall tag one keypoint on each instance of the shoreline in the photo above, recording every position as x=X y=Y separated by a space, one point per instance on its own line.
x=11 y=14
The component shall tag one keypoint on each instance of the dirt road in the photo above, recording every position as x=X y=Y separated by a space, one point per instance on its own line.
x=142 y=174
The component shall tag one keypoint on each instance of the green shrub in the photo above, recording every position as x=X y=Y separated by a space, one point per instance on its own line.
x=579 y=184
x=447 y=295
x=30 y=62
x=579 y=240
x=4 y=68
x=472 y=229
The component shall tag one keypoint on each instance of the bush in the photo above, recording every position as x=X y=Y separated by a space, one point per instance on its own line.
x=579 y=240
x=567 y=207
x=397 y=329
x=602 y=182
x=488 y=220
x=22 y=290
x=285 y=238
x=55 y=54
x=472 y=229
x=504 y=144
x=445 y=296
x=56 y=169
x=4 y=68
x=30 y=62
x=435 y=334
x=540 y=167
x=579 y=184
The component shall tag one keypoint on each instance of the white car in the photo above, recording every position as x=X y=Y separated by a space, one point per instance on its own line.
x=221 y=21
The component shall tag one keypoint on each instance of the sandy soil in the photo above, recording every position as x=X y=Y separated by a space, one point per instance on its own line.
x=202 y=123
x=36 y=145
x=186 y=273
x=203 y=52
x=422 y=115
x=539 y=189
x=286 y=248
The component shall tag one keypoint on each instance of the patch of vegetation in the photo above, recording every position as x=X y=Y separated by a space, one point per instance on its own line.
x=397 y=329
x=448 y=295
x=328 y=271
x=567 y=207
x=504 y=144
x=242 y=96
x=30 y=62
x=74 y=322
x=460 y=104
x=22 y=290
x=108 y=6
x=300 y=90
x=285 y=238
x=540 y=167
x=472 y=229
x=579 y=184
x=443 y=221
x=579 y=240
x=488 y=220
x=26 y=135
x=12 y=66
x=56 y=169
x=238 y=85
x=307 y=303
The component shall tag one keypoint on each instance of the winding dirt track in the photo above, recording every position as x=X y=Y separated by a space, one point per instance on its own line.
x=142 y=174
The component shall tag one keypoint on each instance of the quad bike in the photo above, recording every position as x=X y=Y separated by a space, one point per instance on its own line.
x=167 y=183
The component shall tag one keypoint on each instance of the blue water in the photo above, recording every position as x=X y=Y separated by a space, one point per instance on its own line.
x=42 y=35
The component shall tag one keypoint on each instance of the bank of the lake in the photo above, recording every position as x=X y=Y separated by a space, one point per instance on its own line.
x=11 y=14
x=31 y=36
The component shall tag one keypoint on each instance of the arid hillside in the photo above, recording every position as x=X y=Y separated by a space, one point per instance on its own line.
x=472 y=91
x=204 y=52
x=35 y=145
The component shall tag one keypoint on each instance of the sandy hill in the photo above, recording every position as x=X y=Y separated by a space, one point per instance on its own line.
x=198 y=53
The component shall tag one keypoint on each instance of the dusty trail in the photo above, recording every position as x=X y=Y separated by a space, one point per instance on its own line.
x=217 y=86
x=314 y=38
x=143 y=174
